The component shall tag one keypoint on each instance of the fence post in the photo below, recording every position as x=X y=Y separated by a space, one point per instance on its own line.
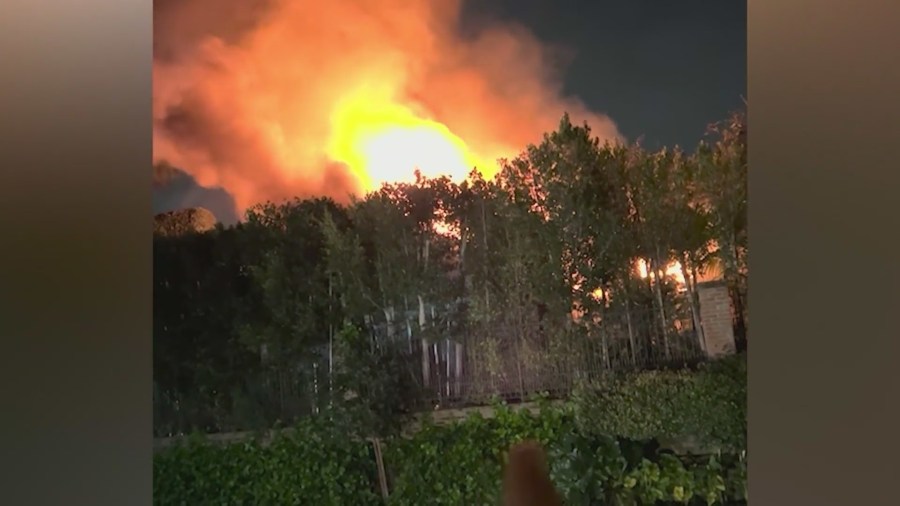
x=379 y=463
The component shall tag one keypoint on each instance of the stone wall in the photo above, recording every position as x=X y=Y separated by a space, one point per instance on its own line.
x=716 y=319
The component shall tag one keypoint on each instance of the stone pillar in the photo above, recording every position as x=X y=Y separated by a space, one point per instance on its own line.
x=715 y=318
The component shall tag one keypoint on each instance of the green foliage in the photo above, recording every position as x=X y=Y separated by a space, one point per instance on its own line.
x=326 y=462
x=462 y=463
x=708 y=406
x=378 y=389
x=244 y=316
x=318 y=462
x=591 y=469
x=202 y=373
x=292 y=281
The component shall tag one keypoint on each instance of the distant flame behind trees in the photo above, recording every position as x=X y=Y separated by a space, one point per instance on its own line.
x=531 y=272
x=579 y=226
x=273 y=99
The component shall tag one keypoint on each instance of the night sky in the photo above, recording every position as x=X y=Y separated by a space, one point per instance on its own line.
x=662 y=70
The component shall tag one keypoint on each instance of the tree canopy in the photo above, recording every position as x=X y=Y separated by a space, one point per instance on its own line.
x=252 y=322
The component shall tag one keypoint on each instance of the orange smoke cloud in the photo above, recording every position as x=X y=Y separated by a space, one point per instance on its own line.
x=271 y=99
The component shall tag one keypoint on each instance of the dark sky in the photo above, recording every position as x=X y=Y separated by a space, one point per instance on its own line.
x=661 y=69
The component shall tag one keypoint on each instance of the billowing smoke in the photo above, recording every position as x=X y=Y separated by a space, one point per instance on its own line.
x=271 y=99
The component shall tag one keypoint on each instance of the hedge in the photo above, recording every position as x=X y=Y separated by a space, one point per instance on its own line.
x=317 y=463
x=462 y=464
x=326 y=464
x=707 y=407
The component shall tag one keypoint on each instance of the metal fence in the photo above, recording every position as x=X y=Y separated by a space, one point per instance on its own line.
x=514 y=362
x=453 y=367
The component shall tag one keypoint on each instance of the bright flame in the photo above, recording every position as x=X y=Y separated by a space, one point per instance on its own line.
x=672 y=270
x=441 y=227
x=294 y=98
x=382 y=141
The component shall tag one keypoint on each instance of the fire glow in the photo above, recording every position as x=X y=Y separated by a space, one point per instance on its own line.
x=275 y=99
x=385 y=142
x=673 y=270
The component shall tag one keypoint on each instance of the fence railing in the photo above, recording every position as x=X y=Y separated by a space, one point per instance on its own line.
x=515 y=363
x=453 y=367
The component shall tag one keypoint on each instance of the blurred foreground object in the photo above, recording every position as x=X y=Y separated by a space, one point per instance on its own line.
x=526 y=479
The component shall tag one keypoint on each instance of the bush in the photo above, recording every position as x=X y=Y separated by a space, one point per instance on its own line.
x=590 y=470
x=325 y=462
x=383 y=393
x=462 y=464
x=319 y=462
x=707 y=406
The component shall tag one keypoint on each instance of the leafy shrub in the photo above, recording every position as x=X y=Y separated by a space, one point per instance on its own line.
x=462 y=463
x=379 y=389
x=319 y=462
x=591 y=470
x=708 y=405
x=325 y=462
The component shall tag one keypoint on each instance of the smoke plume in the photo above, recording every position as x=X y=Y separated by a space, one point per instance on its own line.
x=271 y=99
